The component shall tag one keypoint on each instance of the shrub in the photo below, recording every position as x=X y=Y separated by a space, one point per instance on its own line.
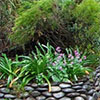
x=69 y=22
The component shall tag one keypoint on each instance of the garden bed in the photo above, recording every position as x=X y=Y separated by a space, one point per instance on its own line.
x=85 y=89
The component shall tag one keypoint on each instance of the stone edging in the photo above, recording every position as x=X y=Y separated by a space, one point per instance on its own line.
x=86 y=89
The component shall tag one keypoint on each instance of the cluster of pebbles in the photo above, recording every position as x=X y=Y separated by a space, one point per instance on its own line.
x=86 y=89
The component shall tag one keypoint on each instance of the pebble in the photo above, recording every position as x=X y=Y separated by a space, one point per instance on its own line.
x=4 y=90
x=77 y=87
x=9 y=96
x=65 y=98
x=42 y=89
x=34 y=85
x=47 y=94
x=63 y=85
x=55 y=89
x=58 y=95
x=35 y=93
x=51 y=98
x=1 y=95
x=40 y=98
x=28 y=88
x=24 y=95
x=72 y=94
x=68 y=90
x=79 y=98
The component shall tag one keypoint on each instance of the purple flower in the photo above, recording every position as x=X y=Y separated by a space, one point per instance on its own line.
x=53 y=64
x=72 y=63
x=69 y=55
x=80 y=60
x=58 y=49
x=72 y=57
x=84 y=57
x=59 y=57
x=62 y=55
x=60 y=68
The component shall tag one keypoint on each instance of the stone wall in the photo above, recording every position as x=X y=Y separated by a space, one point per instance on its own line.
x=86 y=89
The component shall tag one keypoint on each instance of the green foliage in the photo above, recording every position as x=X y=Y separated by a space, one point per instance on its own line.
x=69 y=22
x=44 y=65
x=26 y=23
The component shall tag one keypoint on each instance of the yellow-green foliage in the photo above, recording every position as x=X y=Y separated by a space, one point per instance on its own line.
x=26 y=23
x=87 y=20
x=74 y=23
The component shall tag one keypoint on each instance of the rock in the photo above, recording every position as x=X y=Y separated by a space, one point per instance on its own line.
x=5 y=90
x=1 y=95
x=63 y=85
x=97 y=83
x=58 y=95
x=17 y=99
x=98 y=75
x=55 y=84
x=40 y=98
x=51 y=98
x=35 y=93
x=30 y=98
x=68 y=90
x=24 y=95
x=28 y=88
x=42 y=89
x=85 y=86
x=79 y=98
x=81 y=91
x=44 y=85
x=72 y=94
x=65 y=98
x=9 y=96
x=79 y=83
x=55 y=89
x=47 y=94
x=77 y=87
x=34 y=85
x=83 y=95
x=90 y=98
x=91 y=92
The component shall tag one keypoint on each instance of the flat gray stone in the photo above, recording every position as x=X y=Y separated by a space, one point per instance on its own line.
x=30 y=98
x=24 y=95
x=5 y=90
x=35 y=93
x=63 y=85
x=68 y=90
x=40 y=98
x=28 y=88
x=65 y=98
x=1 y=95
x=58 y=95
x=9 y=96
x=79 y=98
x=77 y=87
x=42 y=89
x=51 y=98
x=72 y=94
x=55 y=89
x=34 y=85
x=47 y=94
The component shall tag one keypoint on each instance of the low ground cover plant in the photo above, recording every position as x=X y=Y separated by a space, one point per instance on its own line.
x=45 y=65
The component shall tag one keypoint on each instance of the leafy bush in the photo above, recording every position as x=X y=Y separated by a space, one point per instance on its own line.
x=65 y=20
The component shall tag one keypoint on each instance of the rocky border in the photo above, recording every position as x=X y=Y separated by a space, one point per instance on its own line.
x=86 y=89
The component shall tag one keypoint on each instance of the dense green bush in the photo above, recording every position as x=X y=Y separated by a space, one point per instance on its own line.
x=66 y=22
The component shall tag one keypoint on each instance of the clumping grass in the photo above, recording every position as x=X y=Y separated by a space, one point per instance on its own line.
x=47 y=64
